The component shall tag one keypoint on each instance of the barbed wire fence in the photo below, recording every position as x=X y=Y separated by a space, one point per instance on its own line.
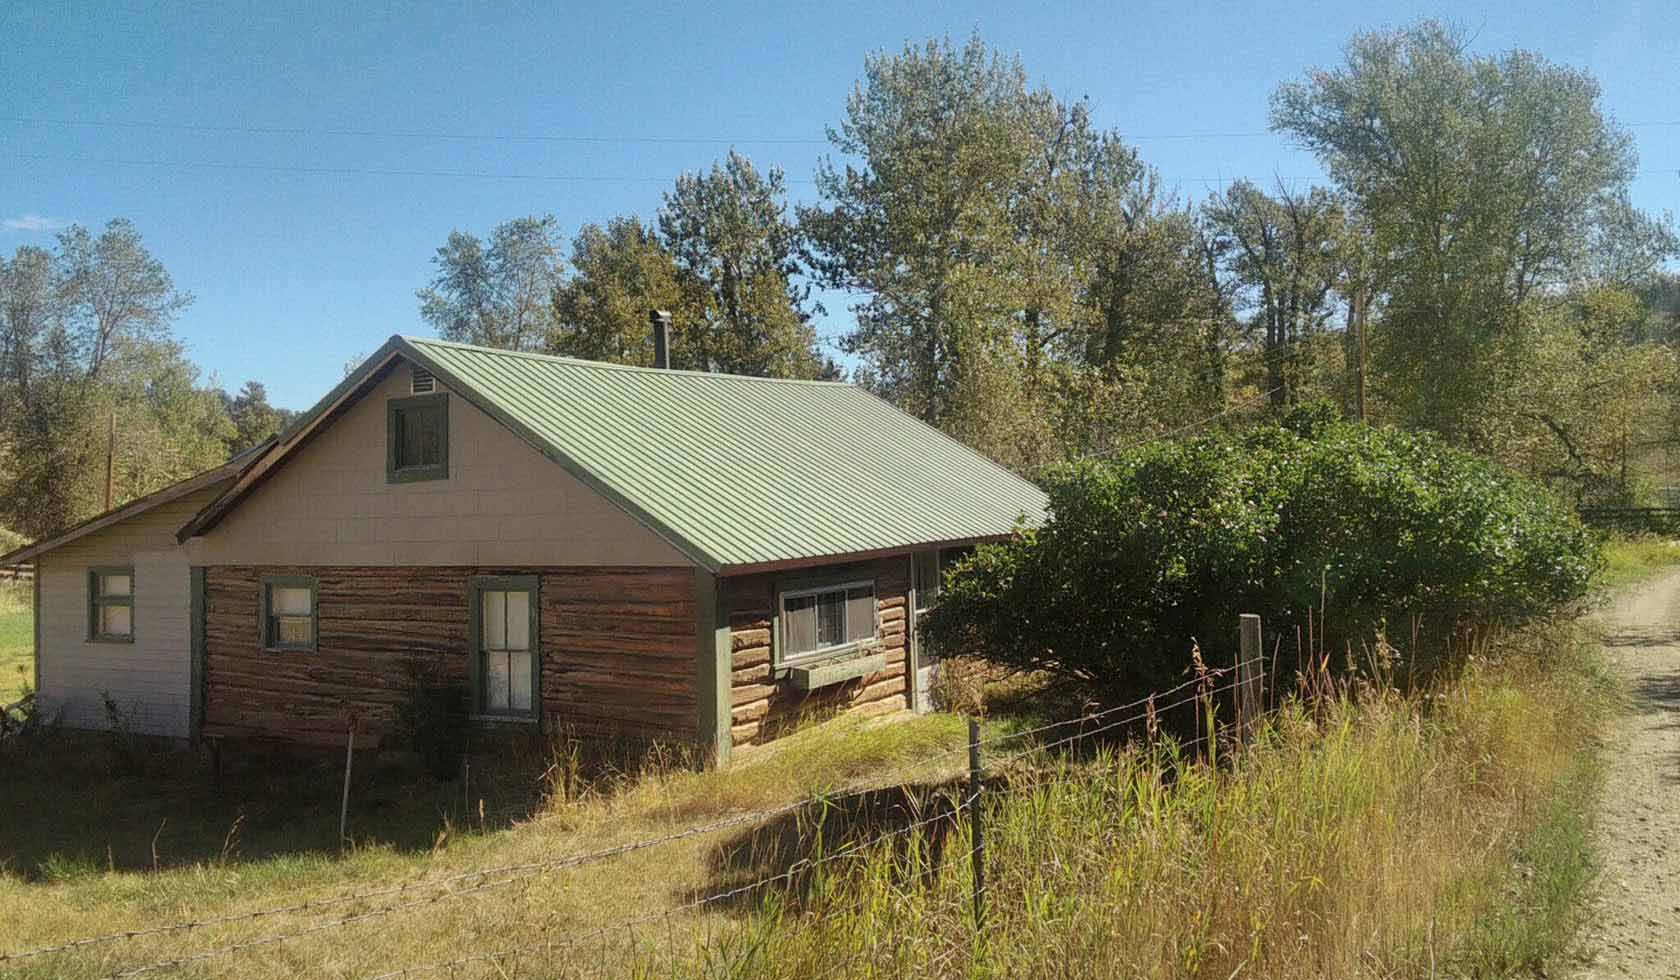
x=1035 y=741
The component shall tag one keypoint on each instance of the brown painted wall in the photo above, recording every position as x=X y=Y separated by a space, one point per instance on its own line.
x=762 y=706
x=617 y=646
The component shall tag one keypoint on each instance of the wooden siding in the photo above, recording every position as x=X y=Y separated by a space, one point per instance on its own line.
x=503 y=503
x=763 y=706
x=149 y=681
x=617 y=650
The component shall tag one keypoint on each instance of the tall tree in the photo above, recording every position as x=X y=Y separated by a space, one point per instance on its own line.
x=254 y=419
x=734 y=248
x=619 y=274
x=1485 y=180
x=497 y=294
x=1283 y=253
x=85 y=347
x=921 y=226
x=115 y=291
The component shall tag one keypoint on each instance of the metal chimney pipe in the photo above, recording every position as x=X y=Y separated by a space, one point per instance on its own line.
x=661 y=321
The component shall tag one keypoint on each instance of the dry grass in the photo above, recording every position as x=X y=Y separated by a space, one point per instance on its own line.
x=1377 y=837
x=1372 y=836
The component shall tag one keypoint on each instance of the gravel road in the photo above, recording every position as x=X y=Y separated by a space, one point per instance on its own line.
x=1635 y=928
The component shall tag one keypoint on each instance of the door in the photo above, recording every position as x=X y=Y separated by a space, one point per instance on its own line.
x=925 y=583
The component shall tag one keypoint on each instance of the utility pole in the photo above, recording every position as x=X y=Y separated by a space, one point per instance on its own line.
x=111 y=466
x=1356 y=312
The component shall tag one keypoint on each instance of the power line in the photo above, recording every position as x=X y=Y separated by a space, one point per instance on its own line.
x=352 y=171
x=407 y=134
x=535 y=137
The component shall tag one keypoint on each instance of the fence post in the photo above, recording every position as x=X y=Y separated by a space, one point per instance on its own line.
x=1249 y=675
x=344 y=807
x=976 y=829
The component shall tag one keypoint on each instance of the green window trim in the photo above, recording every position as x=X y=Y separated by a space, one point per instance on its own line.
x=480 y=584
x=395 y=410
x=97 y=600
x=269 y=627
x=782 y=661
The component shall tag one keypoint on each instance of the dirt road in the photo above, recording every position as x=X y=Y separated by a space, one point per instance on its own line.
x=1635 y=928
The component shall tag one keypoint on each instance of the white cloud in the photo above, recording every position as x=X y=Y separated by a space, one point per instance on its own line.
x=32 y=222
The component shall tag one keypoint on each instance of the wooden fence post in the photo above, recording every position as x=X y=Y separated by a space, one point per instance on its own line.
x=1250 y=672
x=344 y=807
x=976 y=828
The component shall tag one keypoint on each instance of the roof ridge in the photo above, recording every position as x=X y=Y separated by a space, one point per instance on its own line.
x=610 y=366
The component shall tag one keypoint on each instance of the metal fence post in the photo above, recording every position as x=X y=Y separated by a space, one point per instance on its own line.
x=976 y=828
x=1249 y=674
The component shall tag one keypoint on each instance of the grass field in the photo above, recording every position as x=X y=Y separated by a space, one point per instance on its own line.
x=17 y=642
x=1629 y=561
x=1368 y=836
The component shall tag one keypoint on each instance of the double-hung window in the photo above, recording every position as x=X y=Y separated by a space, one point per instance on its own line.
x=505 y=660
x=111 y=605
x=417 y=438
x=289 y=614
x=824 y=620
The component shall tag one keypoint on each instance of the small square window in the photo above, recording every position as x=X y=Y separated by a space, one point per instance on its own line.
x=111 y=605
x=289 y=620
x=417 y=439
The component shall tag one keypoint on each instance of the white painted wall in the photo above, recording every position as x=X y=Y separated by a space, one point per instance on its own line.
x=149 y=680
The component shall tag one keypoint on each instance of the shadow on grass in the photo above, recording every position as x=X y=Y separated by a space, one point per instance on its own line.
x=788 y=851
x=785 y=855
x=84 y=803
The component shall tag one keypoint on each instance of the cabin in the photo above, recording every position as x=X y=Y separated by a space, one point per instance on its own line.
x=555 y=544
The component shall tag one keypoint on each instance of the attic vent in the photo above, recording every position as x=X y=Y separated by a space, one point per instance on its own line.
x=423 y=383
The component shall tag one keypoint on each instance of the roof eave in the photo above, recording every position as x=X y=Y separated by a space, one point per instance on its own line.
x=175 y=491
x=817 y=561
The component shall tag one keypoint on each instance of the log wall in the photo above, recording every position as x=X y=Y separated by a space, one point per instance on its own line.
x=763 y=707
x=617 y=647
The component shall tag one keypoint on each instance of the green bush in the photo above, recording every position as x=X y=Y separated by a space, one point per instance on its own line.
x=1147 y=553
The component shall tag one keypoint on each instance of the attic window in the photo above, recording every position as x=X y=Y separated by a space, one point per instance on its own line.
x=422 y=382
x=417 y=438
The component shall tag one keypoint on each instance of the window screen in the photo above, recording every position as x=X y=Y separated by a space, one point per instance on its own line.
x=817 y=620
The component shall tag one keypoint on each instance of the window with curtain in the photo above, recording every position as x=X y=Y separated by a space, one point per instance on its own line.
x=822 y=621
x=289 y=613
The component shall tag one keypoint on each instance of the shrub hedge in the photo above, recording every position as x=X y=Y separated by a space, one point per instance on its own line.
x=1150 y=552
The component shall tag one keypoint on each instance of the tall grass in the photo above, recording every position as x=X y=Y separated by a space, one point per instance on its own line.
x=1371 y=835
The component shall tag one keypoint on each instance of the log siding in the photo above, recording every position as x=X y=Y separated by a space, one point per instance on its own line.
x=616 y=645
x=762 y=706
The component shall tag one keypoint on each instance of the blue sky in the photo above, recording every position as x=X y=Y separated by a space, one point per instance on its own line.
x=257 y=146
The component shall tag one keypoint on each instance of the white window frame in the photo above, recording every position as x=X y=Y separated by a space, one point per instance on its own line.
x=802 y=590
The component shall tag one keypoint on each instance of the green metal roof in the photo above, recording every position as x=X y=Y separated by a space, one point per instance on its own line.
x=740 y=471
